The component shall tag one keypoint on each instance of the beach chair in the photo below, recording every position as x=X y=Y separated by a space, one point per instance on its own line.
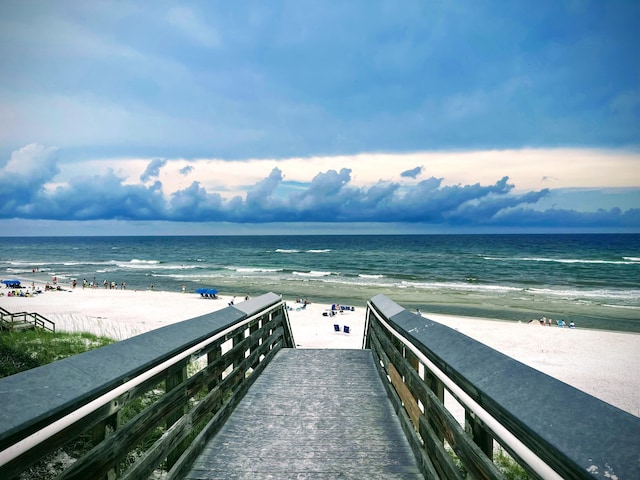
x=347 y=329
x=336 y=328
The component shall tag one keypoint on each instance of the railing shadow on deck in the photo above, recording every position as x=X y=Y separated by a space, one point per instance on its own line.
x=550 y=428
x=169 y=390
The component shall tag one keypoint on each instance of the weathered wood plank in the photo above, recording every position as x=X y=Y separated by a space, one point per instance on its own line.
x=311 y=414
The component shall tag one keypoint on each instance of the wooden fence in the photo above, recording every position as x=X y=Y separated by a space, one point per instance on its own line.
x=550 y=428
x=143 y=405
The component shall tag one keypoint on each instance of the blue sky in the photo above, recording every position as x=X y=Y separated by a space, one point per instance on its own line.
x=319 y=117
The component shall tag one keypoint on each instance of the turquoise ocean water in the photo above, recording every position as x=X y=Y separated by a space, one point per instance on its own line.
x=593 y=280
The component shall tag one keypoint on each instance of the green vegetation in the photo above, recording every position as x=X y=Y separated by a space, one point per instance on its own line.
x=28 y=349
x=508 y=466
x=505 y=463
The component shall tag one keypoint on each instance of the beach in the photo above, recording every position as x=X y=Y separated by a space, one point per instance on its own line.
x=599 y=362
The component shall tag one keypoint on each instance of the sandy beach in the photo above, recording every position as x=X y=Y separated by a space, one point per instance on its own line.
x=601 y=363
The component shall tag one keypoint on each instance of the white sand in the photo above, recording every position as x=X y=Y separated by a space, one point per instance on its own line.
x=601 y=363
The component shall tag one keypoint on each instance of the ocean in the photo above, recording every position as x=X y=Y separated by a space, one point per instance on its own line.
x=592 y=279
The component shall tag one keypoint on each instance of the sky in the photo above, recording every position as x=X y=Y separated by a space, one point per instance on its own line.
x=207 y=117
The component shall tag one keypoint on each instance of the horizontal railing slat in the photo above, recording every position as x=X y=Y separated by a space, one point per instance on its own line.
x=575 y=434
x=45 y=407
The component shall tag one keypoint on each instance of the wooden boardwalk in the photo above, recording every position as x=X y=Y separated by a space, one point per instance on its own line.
x=312 y=414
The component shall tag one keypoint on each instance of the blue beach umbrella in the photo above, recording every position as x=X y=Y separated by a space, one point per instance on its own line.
x=11 y=283
x=206 y=291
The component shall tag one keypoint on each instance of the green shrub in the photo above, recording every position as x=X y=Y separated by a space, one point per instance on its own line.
x=23 y=350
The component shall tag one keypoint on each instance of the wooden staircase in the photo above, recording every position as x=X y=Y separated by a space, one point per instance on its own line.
x=24 y=321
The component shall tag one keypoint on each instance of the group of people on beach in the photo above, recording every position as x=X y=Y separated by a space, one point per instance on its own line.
x=106 y=284
x=544 y=321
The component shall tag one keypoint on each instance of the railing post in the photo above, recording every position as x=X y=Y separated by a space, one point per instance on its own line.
x=480 y=435
x=236 y=340
x=174 y=380
x=99 y=433
x=253 y=327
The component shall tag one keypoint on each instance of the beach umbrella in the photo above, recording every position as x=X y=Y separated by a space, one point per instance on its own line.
x=201 y=290
x=212 y=291
x=11 y=283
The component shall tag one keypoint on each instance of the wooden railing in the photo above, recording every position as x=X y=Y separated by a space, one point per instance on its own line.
x=550 y=429
x=14 y=321
x=142 y=406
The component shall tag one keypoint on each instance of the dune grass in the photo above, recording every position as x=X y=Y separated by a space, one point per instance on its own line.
x=28 y=349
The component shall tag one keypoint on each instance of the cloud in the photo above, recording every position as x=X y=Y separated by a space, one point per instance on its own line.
x=186 y=170
x=193 y=27
x=296 y=79
x=29 y=183
x=413 y=173
x=153 y=169
x=26 y=172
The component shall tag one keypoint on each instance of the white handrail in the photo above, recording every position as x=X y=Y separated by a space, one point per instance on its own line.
x=500 y=431
x=59 y=425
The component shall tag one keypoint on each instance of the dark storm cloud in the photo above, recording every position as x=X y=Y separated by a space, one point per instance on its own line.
x=413 y=173
x=153 y=169
x=329 y=197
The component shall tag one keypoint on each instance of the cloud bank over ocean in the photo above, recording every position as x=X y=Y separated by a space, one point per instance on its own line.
x=331 y=196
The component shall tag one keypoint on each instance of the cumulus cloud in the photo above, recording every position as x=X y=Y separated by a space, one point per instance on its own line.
x=25 y=174
x=186 y=170
x=28 y=181
x=153 y=169
x=413 y=173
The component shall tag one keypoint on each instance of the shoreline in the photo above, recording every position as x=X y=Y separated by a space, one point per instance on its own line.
x=595 y=361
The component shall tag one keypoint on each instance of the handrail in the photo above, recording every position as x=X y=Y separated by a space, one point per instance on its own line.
x=94 y=393
x=419 y=359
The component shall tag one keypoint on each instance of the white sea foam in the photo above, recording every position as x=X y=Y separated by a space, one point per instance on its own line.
x=254 y=269
x=285 y=250
x=592 y=294
x=625 y=261
x=460 y=286
x=312 y=274
x=141 y=264
x=325 y=250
